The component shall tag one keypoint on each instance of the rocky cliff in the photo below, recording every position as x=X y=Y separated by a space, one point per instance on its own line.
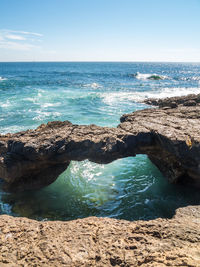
x=169 y=135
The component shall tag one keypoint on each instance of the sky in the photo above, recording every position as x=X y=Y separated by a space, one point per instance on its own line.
x=100 y=30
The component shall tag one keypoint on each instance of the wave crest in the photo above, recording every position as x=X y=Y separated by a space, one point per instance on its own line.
x=148 y=76
x=93 y=85
x=2 y=79
x=115 y=97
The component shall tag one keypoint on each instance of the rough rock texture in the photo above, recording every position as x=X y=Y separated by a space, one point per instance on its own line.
x=102 y=242
x=175 y=135
x=34 y=158
x=169 y=136
x=189 y=100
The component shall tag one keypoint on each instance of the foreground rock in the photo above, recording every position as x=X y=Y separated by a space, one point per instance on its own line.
x=102 y=242
x=169 y=136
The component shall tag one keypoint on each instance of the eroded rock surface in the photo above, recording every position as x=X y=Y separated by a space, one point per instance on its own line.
x=170 y=136
x=102 y=242
x=29 y=158
x=175 y=135
x=189 y=100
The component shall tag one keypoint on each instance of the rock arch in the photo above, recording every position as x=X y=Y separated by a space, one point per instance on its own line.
x=169 y=135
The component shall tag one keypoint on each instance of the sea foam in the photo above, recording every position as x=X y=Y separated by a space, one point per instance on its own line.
x=110 y=98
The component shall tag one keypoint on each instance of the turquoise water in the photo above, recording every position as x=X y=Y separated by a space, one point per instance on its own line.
x=84 y=93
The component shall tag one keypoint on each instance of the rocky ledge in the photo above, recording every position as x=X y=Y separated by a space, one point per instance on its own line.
x=102 y=242
x=169 y=135
x=173 y=102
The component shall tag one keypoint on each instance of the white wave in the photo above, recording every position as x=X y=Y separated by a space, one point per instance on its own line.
x=42 y=115
x=46 y=105
x=2 y=79
x=93 y=85
x=194 y=78
x=110 y=98
x=149 y=76
x=116 y=97
x=169 y=92
x=39 y=101
x=5 y=105
x=11 y=129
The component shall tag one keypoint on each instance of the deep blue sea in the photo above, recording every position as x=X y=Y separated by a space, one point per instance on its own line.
x=99 y=93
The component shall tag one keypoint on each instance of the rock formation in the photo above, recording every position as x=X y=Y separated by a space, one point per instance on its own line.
x=102 y=242
x=173 y=102
x=169 y=135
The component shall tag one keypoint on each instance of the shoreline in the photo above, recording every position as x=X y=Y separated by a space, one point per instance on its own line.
x=173 y=145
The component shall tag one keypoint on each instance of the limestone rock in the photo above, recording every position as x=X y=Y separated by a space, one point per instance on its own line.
x=102 y=242
x=189 y=100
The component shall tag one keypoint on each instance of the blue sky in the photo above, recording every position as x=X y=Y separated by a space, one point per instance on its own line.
x=100 y=30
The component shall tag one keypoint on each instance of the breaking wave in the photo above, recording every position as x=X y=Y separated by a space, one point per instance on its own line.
x=2 y=79
x=109 y=98
x=148 y=76
x=92 y=85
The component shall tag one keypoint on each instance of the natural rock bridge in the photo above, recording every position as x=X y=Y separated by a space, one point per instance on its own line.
x=169 y=135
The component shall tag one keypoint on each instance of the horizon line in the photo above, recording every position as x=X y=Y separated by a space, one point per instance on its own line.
x=93 y=61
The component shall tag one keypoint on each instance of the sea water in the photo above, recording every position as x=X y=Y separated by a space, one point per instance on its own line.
x=99 y=93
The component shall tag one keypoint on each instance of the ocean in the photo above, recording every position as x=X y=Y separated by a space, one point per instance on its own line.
x=97 y=93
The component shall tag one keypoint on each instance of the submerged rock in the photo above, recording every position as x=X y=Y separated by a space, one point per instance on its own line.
x=102 y=241
x=155 y=77
x=169 y=135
